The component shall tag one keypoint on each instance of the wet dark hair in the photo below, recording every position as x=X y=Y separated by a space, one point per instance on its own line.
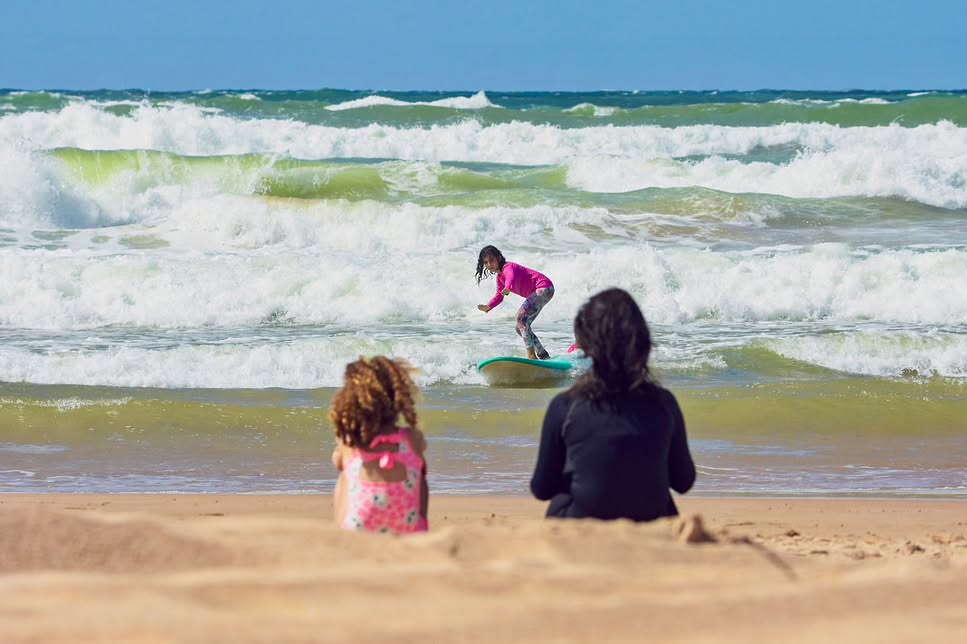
x=485 y=252
x=612 y=331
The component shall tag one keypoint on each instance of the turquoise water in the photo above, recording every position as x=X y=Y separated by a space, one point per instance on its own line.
x=186 y=274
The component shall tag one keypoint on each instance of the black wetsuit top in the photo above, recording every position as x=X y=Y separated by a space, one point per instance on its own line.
x=615 y=460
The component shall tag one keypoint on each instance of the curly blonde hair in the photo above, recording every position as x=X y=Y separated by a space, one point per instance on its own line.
x=376 y=391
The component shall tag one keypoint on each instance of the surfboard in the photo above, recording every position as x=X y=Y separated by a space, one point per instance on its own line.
x=511 y=371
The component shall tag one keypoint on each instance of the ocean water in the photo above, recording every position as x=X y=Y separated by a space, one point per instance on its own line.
x=183 y=277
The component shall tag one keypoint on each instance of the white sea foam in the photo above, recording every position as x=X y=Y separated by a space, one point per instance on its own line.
x=865 y=101
x=34 y=193
x=478 y=101
x=883 y=354
x=334 y=288
x=927 y=163
x=831 y=102
x=445 y=356
x=66 y=404
x=298 y=365
x=801 y=101
x=597 y=110
x=417 y=273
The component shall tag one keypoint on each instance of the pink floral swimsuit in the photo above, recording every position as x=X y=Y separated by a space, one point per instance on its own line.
x=379 y=506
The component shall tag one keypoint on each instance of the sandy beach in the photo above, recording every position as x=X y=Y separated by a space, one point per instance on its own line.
x=240 y=568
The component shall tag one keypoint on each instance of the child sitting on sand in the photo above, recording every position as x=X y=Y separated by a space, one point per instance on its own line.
x=382 y=480
x=535 y=287
x=614 y=443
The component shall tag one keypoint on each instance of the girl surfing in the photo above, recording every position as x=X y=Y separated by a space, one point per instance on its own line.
x=536 y=289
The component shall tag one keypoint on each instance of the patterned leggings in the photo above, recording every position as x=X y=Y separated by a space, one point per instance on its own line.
x=525 y=317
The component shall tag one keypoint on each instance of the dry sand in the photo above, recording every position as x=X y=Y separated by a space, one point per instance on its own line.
x=231 y=568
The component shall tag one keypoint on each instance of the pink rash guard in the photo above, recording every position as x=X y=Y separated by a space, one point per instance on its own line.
x=520 y=280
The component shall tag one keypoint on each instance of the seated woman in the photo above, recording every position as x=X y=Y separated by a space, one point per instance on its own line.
x=614 y=444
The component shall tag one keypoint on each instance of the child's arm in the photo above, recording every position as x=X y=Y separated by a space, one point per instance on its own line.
x=339 y=491
x=504 y=280
x=502 y=290
x=424 y=497
x=418 y=440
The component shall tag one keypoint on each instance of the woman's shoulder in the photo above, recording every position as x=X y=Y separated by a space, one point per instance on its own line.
x=654 y=391
x=563 y=399
x=667 y=396
x=662 y=398
x=559 y=405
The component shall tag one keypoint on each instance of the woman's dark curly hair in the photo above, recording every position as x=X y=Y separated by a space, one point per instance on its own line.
x=612 y=331
x=377 y=390
x=485 y=252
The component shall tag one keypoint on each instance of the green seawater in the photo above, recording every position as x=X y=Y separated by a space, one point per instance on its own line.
x=798 y=437
x=559 y=109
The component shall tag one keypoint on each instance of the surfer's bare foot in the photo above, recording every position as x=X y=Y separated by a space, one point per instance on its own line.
x=531 y=355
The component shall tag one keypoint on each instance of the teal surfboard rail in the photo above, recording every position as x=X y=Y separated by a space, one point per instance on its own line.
x=557 y=365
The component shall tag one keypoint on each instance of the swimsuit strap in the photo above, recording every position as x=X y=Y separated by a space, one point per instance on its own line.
x=387 y=460
x=387 y=438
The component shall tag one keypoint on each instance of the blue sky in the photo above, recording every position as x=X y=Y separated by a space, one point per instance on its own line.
x=496 y=44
